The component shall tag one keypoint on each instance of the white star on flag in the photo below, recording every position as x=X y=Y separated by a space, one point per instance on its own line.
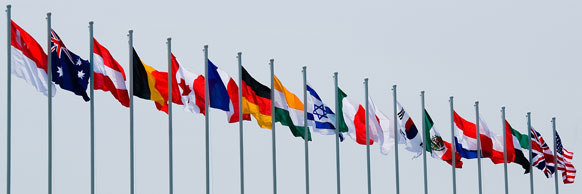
x=78 y=62
x=60 y=71
x=80 y=74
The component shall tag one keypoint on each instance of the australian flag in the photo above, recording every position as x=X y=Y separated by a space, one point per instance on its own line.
x=68 y=69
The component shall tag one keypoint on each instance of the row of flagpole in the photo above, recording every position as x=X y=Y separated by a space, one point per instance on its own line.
x=241 y=135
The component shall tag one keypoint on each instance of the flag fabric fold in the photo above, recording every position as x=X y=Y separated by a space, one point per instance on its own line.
x=108 y=75
x=407 y=128
x=319 y=115
x=69 y=71
x=256 y=100
x=466 y=140
x=189 y=86
x=151 y=84
x=564 y=162
x=438 y=147
x=542 y=155
x=289 y=110
x=520 y=144
x=224 y=93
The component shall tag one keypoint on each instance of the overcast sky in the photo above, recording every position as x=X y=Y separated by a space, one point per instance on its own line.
x=524 y=55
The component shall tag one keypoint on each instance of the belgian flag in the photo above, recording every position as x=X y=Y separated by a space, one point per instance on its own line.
x=150 y=84
x=256 y=100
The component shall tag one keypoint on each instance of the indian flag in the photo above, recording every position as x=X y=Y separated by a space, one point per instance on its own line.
x=289 y=110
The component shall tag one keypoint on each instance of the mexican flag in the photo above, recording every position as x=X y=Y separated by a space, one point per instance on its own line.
x=438 y=147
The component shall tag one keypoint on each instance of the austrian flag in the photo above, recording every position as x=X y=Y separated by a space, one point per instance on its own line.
x=108 y=75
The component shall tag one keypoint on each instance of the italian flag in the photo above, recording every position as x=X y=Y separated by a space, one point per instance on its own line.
x=289 y=110
x=438 y=147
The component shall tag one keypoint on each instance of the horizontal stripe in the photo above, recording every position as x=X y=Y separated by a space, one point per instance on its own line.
x=104 y=83
x=258 y=88
x=263 y=104
x=285 y=117
x=263 y=120
x=106 y=58
x=285 y=99
x=21 y=40
x=118 y=78
x=25 y=68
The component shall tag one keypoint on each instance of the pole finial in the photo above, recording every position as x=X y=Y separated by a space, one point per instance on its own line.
x=48 y=14
x=91 y=22
x=169 y=39
x=272 y=60
x=8 y=6
x=239 y=53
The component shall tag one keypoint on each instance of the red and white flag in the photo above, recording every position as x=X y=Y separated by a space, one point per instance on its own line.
x=29 y=61
x=108 y=75
x=564 y=162
x=191 y=88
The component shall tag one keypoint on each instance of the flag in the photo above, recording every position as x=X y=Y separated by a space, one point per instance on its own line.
x=520 y=143
x=466 y=140
x=564 y=161
x=223 y=93
x=69 y=71
x=438 y=147
x=151 y=84
x=29 y=61
x=289 y=110
x=381 y=129
x=412 y=138
x=256 y=100
x=542 y=155
x=190 y=88
x=108 y=75
x=319 y=115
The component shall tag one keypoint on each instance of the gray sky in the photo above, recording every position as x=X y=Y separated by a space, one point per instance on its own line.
x=520 y=54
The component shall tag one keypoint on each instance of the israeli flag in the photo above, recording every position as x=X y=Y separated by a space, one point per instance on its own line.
x=321 y=118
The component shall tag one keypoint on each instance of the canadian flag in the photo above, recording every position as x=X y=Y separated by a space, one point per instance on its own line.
x=191 y=88
x=108 y=75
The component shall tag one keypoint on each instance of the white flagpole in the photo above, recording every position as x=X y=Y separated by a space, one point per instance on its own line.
x=131 y=142
x=207 y=118
x=555 y=156
x=504 y=149
x=305 y=130
x=424 y=138
x=337 y=132
x=50 y=106
x=8 y=97
x=368 y=137
x=170 y=129
x=240 y=124
x=92 y=105
x=478 y=145
x=272 y=65
x=453 y=147
x=396 y=129
x=531 y=181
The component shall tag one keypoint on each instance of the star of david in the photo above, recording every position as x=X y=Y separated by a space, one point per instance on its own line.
x=321 y=114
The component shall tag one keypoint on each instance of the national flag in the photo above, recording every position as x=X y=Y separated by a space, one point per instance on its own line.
x=69 y=71
x=542 y=155
x=319 y=115
x=564 y=162
x=289 y=110
x=438 y=147
x=108 y=75
x=256 y=100
x=223 y=93
x=413 y=141
x=381 y=128
x=466 y=140
x=28 y=59
x=151 y=84
x=516 y=147
x=190 y=88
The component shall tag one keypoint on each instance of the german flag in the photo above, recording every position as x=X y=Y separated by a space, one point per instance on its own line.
x=151 y=84
x=256 y=100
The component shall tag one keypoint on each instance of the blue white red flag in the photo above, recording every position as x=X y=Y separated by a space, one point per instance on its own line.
x=69 y=71
x=223 y=93
x=319 y=115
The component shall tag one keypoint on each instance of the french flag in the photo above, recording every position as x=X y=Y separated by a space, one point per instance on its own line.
x=466 y=140
x=224 y=96
x=108 y=75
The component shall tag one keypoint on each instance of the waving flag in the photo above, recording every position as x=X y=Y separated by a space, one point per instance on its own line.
x=29 y=61
x=321 y=117
x=289 y=110
x=151 y=84
x=381 y=129
x=256 y=100
x=542 y=156
x=413 y=141
x=516 y=147
x=224 y=93
x=68 y=69
x=190 y=86
x=565 y=162
x=438 y=147
x=108 y=75
x=466 y=140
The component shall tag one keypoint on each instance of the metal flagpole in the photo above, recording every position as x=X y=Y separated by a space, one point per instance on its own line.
x=504 y=148
x=240 y=124
x=170 y=129
x=425 y=142
x=478 y=145
x=531 y=182
x=555 y=155
x=337 y=132
x=272 y=65
x=368 y=137
x=8 y=97
x=92 y=104
x=305 y=130
x=396 y=129
x=207 y=118
x=453 y=146
x=131 y=143
x=50 y=106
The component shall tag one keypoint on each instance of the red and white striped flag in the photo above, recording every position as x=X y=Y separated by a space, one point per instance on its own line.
x=565 y=162
x=108 y=75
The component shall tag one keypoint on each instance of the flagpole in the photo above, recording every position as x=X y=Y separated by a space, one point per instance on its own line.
x=478 y=146
x=396 y=141
x=453 y=147
x=240 y=124
x=170 y=129
x=504 y=149
x=92 y=104
x=425 y=142
x=555 y=156
x=531 y=182
x=8 y=97
x=207 y=118
x=305 y=130
x=368 y=137
x=337 y=132
x=131 y=143
x=272 y=65
x=50 y=106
